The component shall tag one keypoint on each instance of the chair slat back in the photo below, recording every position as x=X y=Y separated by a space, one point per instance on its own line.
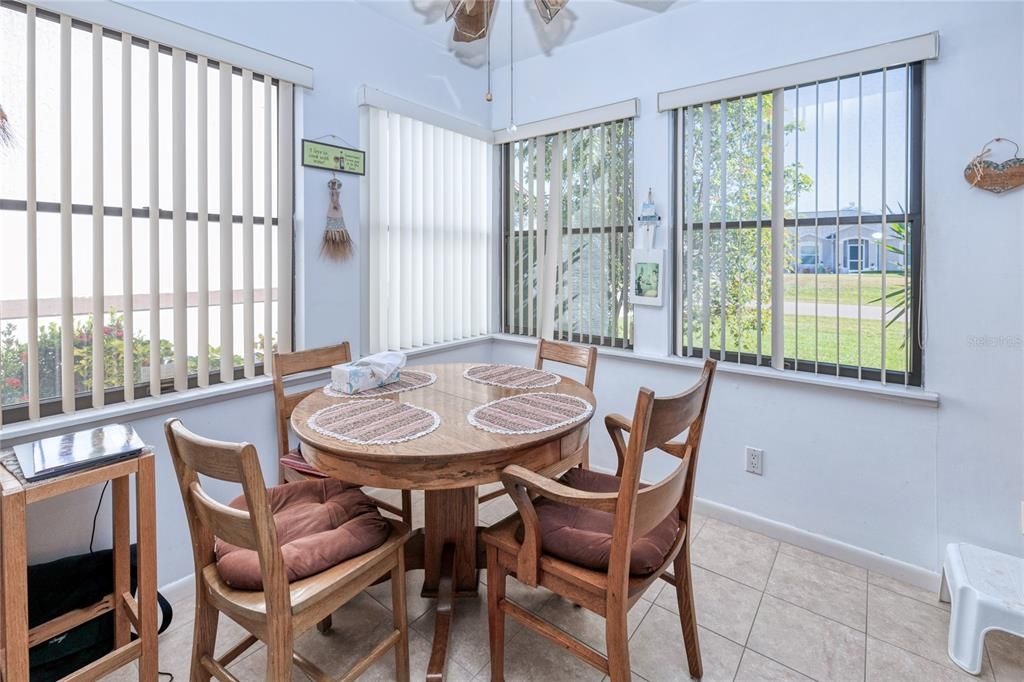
x=673 y=415
x=569 y=354
x=287 y=364
x=656 y=421
x=654 y=503
x=227 y=523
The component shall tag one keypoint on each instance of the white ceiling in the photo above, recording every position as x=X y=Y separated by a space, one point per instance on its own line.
x=579 y=20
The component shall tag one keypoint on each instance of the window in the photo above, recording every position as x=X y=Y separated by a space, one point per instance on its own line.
x=146 y=219
x=429 y=212
x=837 y=282
x=568 y=202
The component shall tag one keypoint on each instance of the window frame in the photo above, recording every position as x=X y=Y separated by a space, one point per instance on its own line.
x=83 y=400
x=914 y=216
x=628 y=227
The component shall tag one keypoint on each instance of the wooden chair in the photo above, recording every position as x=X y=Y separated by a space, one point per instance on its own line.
x=293 y=467
x=567 y=354
x=636 y=511
x=281 y=611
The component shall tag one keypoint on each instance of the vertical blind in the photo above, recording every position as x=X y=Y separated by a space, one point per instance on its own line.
x=568 y=234
x=799 y=231
x=132 y=150
x=428 y=211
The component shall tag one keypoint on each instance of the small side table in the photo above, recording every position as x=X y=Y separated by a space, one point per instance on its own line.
x=141 y=614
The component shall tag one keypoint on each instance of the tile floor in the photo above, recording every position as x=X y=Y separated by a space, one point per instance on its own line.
x=767 y=611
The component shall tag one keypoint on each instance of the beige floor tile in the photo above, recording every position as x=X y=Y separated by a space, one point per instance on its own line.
x=824 y=561
x=656 y=650
x=724 y=606
x=335 y=658
x=175 y=645
x=807 y=642
x=1006 y=652
x=415 y=605
x=735 y=553
x=886 y=662
x=910 y=624
x=127 y=673
x=819 y=589
x=469 y=645
x=496 y=510
x=530 y=657
x=756 y=668
x=587 y=626
x=653 y=590
x=697 y=522
x=907 y=590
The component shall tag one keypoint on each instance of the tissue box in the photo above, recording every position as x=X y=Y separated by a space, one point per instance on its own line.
x=350 y=378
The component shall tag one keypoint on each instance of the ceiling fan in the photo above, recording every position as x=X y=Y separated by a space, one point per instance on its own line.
x=472 y=18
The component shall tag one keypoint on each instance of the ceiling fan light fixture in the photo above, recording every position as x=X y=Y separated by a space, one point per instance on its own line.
x=549 y=9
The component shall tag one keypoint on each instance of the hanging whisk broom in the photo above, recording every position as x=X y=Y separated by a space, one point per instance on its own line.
x=337 y=244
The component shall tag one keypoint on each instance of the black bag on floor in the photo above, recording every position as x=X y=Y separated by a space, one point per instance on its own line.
x=64 y=585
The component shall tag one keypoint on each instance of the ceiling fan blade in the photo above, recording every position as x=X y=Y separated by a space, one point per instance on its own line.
x=472 y=18
x=549 y=9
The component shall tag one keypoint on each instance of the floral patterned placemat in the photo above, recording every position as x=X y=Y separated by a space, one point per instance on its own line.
x=511 y=376
x=374 y=422
x=530 y=413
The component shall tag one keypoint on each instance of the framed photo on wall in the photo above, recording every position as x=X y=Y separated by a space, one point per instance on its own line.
x=647 y=277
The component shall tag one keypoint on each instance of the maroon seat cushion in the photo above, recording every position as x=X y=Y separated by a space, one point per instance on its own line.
x=584 y=536
x=320 y=523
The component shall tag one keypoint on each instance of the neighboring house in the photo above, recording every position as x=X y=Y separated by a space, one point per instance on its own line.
x=860 y=249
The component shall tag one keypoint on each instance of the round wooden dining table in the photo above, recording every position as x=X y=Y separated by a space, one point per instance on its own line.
x=448 y=464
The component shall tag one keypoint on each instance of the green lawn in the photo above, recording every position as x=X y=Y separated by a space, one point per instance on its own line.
x=830 y=339
x=870 y=283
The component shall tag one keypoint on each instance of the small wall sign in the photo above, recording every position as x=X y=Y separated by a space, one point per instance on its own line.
x=332 y=157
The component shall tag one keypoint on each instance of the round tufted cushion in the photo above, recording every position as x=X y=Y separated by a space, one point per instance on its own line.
x=584 y=536
x=320 y=524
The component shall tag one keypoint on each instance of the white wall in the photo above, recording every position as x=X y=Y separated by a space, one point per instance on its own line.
x=895 y=478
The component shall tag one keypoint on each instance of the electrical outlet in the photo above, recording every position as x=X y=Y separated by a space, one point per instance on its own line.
x=755 y=461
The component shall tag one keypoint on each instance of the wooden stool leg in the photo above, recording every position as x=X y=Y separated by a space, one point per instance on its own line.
x=145 y=511
x=687 y=610
x=495 y=615
x=14 y=587
x=400 y=618
x=122 y=527
x=407 y=507
x=204 y=636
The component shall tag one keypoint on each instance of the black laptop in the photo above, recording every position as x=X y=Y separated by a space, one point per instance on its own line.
x=70 y=452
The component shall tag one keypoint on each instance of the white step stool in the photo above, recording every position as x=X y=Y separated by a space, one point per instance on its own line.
x=986 y=589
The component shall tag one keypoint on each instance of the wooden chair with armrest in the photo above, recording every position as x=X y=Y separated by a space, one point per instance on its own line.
x=628 y=511
x=292 y=465
x=279 y=612
x=567 y=354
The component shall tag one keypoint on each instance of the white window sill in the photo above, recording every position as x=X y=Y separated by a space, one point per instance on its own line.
x=20 y=432
x=903 y=393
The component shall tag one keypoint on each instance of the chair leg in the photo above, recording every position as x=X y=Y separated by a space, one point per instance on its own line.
x=324 y=626
x=399 y=617
x=204 y=637
x=585 y=460
x=495 y=616
x=617 y=641
x=688 y=610
x=279 y=656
